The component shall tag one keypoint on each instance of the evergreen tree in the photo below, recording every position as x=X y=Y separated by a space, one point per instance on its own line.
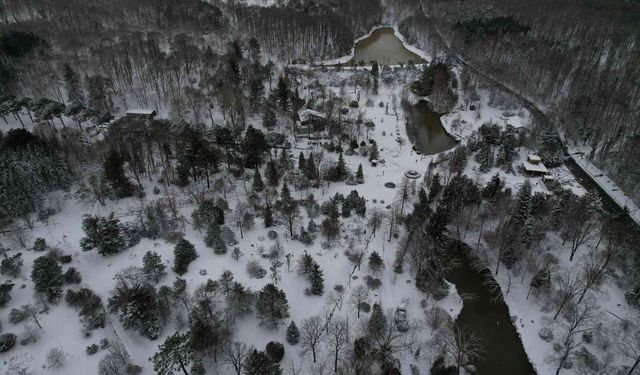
x=5 y=293
x=311 y=170
x=269 y=120
x=316 y=279
x=272 y=306
x=492 y=188
x=282 y=93
x=11 y=265
x=258 y=185
x=256 y=92
x=259 y=363
x=137 y=307
x=507 y=147
x=341 y=168
x=373 y=152
x=377 y=322
x=184 y=253
x=360 y=174
x=435 y=188
x=302 y=163
x=523 y=206
x=206 y=213
x=173 y=355
x=254 y=145
x=272 y=174
x=268 y=217
x=152 y=266
x=72 y=86
x=47 y=277
x=115 y=176
x=485 y=157
x=458 y=160
x=214 y=240
x=375 y=262
x=102 y=233
x=293 y=334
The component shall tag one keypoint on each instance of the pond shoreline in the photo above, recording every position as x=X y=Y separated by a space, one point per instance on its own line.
x=412 y=127
x=347 y=58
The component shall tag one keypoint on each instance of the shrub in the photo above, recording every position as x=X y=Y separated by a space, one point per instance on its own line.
x=92 y=349
x=17 y=316
x=7 y=341
x=255 y=270
x=275 y=351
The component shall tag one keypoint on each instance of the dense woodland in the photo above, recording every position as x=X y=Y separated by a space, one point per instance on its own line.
x=230 y=82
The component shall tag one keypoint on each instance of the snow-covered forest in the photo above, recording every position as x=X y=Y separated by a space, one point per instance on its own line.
x=219 y=187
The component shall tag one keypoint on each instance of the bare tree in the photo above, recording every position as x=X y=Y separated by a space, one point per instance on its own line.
x=236 y=355
x=32 y=311
x=376 y=215
x=579 y=223
x=337 y=334
x=463 y=346
x=578 y=321
x=594 y=267
x=56 y=358
x=310 y=334
x=359 y=295
x=567 y=284
x=243 y=217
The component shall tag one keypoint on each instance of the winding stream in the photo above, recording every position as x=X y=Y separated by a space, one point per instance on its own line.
x=489 y=320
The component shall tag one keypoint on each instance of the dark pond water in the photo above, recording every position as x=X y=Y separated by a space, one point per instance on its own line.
x=384 y=47
x=425 y=129
x=488 y=319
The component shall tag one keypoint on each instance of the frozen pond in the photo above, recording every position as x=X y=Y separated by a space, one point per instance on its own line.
x=425 y=130
x=384 y=47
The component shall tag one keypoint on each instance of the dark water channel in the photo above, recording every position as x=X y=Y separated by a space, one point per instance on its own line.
x=503 y=353
x=425 y=129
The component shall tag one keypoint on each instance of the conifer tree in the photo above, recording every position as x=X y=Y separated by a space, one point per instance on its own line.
x=273 y=177
x=47 y=277
x=360 y=174
x=72 y=86
x=259 y=363
x=282 y=93
x=152 y=266
x=485 y=157
x=102 y=233
x=316 y=279
x=115 y=176
x=214 y=239
x=258 y=185
x=174 y=354
x=272 y=306
x=269 y=118
x=268 y=217
x=302 y=163
x=184 y=253
x=435 y=188
x=311 y=170
x=293 y=333
x=375 y=262
x=523 y=207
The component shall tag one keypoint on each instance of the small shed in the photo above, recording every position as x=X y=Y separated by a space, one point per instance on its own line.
x=534 y=167
x=142 y=113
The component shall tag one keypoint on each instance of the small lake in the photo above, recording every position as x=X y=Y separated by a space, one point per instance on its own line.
x=425 y=129
x=489 y=320
x=384 y=47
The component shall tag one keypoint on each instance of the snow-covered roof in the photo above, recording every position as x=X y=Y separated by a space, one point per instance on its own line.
x=305 y=113
x=537 y=168
x=141 y=111
x=534 y=158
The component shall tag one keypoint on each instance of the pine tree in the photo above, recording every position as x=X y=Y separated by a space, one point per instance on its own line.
x=316 y=279
x=115 y=176
x=302 y=163
x=311 y=170
x=373 y=152
x=173 y=355
x=258 y=185
x=293 y=334
x=435 y=188
x=184 y=253
x=458 y=160
x=152 y=266
x=272 y=306
x=341 y=168
x=102 y=233
x=268 y=217
x=256 y=92
x=492 y=188
x=5 y=293
x=47 y=277
x=360 y=174
x=269 y=120
x=375 y=85
x=72 y=86
x=485 y=157
x=375 y=262
x=214 y=240
x=282 y=93
x=377 y=322
x=523 y=207
x=272 y=174
x=259 y=363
